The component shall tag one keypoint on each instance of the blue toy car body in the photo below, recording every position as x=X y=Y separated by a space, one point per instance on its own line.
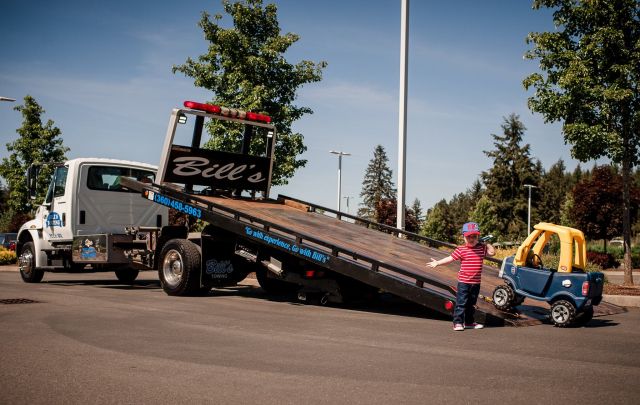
x=570 y=291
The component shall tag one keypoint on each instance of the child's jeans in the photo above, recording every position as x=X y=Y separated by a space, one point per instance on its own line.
x=466 y=299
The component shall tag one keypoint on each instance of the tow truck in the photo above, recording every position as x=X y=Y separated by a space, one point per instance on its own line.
x=570 y=291
x=310 y=253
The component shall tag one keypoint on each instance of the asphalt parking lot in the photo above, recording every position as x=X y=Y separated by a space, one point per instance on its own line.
x=85 y=338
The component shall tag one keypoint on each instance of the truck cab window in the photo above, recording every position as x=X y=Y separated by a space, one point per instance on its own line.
x=107 y=178
x=58 y=183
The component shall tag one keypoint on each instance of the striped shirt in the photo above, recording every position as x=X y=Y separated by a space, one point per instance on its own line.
x=470 y=262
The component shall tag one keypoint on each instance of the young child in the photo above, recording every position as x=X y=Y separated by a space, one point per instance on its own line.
x=471 y=256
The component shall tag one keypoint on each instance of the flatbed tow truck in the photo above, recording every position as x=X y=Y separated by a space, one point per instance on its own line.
x=293 y=246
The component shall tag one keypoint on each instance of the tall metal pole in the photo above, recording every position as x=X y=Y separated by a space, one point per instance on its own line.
x=529 y=186
x=402 y=111
x=340 y=155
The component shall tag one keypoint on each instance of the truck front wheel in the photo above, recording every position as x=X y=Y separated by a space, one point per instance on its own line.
x=179 y=268
x=27 y=262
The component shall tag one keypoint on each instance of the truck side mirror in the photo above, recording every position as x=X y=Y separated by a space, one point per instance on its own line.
x=32 y=180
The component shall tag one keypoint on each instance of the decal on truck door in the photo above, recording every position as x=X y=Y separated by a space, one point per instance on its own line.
x=53 y=219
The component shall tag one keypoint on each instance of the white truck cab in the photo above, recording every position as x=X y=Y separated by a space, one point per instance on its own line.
x=83 y=219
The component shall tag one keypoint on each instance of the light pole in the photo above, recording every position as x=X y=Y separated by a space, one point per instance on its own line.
x=402 y=112
x=340 y=155
x=529 y=186
x=7 y=99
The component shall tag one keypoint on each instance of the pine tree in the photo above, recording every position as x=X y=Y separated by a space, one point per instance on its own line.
x=416 y=209
x=512 y=168
x=377 y=184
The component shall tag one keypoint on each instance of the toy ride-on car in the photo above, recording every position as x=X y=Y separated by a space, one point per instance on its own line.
x=570 y=291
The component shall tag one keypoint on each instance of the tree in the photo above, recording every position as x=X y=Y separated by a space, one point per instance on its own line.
x=512 y=168
x=484 y=214
x=416 y=209
x=246 y=69
x=36 y=143
x=387 y=213
x=377 y=184
x=597 y=204
x=555 y=186
x=438 y=224
x=591 y=66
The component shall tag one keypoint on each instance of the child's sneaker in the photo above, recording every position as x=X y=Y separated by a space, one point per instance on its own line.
x=474 y=326
x=458 y=326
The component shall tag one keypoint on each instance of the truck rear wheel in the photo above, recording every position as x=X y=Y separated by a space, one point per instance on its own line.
x=27 y=262
x=127 y=276
x=179 y=268
x=562 y=313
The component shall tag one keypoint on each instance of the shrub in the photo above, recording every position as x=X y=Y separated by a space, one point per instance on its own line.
x=7 y=257
x=603 y=260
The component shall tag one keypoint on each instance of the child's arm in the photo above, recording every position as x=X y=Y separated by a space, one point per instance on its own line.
x=491 y=251
x=436 y=263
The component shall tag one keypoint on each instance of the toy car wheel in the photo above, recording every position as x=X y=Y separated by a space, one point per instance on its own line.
x=503 y=297
x=563 y=313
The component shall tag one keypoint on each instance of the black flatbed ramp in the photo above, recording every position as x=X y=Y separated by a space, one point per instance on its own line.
x=371 y=255
x=386 y=248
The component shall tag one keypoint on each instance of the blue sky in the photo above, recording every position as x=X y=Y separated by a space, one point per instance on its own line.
x=102 y=72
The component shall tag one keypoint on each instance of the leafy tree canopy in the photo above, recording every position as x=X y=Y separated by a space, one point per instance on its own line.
x=591 y=67
x=245 y=68
x=36 y=143
x=597 y=204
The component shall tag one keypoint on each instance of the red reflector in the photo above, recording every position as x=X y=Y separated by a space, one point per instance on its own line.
x=310 y=273
x=210 y=108
x=258 y=117
x=448 y=306
x=585 y=288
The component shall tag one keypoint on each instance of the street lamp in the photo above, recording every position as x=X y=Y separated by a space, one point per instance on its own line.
x=7 y=99
x=340 y=155
x=347 y=198
x=529 y=186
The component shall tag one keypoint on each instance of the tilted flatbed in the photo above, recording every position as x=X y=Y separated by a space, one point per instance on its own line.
x=382 y=260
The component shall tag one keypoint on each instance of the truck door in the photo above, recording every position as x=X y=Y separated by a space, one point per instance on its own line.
x=103 y=206
x=56 y=210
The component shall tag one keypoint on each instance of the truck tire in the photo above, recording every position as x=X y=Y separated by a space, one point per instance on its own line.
x=563 y=313
x=127 y=276
x=27 y=262
x=504 y=297
x=179 y=268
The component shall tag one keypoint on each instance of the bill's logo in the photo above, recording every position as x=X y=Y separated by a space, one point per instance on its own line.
x=216 y=169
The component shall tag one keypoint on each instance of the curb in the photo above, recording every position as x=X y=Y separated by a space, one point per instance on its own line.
x=622 y=300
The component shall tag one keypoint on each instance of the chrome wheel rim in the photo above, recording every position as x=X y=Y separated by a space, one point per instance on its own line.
x=26 y=262
x=172 y=268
